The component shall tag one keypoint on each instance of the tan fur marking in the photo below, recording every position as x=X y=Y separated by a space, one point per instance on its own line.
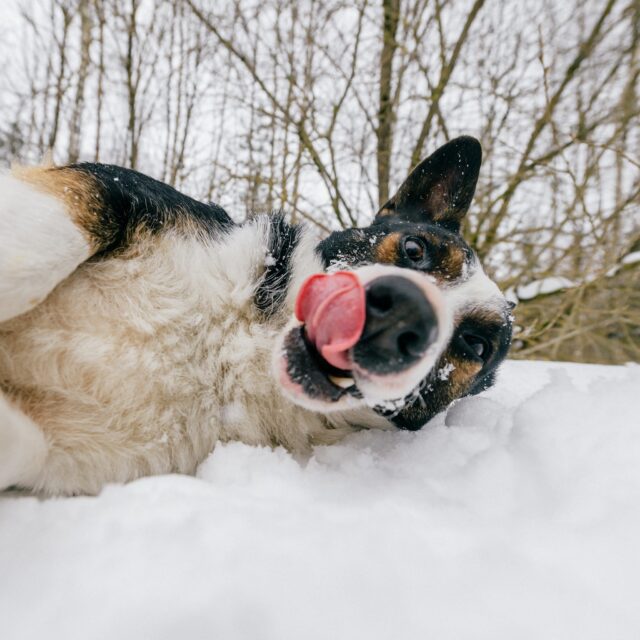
x=79 y=191
x=454 y=262
x=461 y=377
x=387 y=250
x=451 y=258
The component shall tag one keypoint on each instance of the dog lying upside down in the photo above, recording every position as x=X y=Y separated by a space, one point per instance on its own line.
x=138 y=327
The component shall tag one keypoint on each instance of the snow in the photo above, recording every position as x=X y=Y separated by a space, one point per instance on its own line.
x=631 y=258
x=543 y=286
x=552 y=284
x=516 y=515
x=445 y=372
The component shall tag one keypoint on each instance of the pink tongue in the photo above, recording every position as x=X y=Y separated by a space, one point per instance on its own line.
x=332 y=306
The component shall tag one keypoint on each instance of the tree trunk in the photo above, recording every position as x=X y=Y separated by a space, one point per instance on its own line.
x=83 y=72
x=384 y=132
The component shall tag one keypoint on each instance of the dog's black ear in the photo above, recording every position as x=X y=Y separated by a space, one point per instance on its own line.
x=440 y=188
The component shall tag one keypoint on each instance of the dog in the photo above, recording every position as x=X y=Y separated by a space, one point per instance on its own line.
x=139 y=327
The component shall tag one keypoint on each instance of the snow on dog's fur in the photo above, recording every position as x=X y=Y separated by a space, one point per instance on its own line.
x=173 y=336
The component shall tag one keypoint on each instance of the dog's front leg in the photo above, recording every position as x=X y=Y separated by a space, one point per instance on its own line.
x=53 y=218
x=40 y=244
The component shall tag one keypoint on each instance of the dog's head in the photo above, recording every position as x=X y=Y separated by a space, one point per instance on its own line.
x=404 y=320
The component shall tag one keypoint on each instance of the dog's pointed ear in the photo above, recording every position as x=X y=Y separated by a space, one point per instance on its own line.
x=440 y=188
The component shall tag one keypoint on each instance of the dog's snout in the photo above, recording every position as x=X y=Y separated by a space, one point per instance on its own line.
x=400 y=325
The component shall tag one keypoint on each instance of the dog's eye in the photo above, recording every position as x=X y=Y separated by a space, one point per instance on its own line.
x=415 y=249
x=476 y=346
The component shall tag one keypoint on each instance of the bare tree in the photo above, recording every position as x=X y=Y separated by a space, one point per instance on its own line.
x=82 y=73
x=320 y=108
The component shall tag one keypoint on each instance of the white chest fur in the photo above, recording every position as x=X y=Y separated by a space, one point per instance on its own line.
x=139 y=364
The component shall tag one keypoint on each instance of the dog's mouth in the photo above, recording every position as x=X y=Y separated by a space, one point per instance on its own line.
x=316 y=378
x=361 y=337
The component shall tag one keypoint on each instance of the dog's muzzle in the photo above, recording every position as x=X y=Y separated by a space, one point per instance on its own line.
x=363 y=336
x=401 y=324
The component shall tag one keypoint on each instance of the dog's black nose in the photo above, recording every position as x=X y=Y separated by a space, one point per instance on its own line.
x=400 y=325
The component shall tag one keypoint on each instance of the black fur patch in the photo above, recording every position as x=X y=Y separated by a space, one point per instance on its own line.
x=283 y=239
x=134 y=202
x=439 y=190
x=352 y=247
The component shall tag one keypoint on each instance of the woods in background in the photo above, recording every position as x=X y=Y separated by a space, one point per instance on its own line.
x=320 y=107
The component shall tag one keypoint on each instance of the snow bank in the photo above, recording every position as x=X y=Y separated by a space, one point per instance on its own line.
x=542 y=287
x=516 y=516
x=631 y=258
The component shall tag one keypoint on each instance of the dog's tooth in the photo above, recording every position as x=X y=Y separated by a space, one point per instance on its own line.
x=344 y=383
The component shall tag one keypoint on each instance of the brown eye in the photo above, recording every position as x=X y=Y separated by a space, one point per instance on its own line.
x=415 y=249
x=476 y=346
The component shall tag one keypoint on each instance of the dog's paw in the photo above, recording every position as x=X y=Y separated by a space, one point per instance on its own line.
x=23 y=447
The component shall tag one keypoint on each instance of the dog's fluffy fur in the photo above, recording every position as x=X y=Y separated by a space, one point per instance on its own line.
x=139 y=360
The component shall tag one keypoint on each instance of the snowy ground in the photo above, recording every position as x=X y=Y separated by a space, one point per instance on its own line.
x=516 y=516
